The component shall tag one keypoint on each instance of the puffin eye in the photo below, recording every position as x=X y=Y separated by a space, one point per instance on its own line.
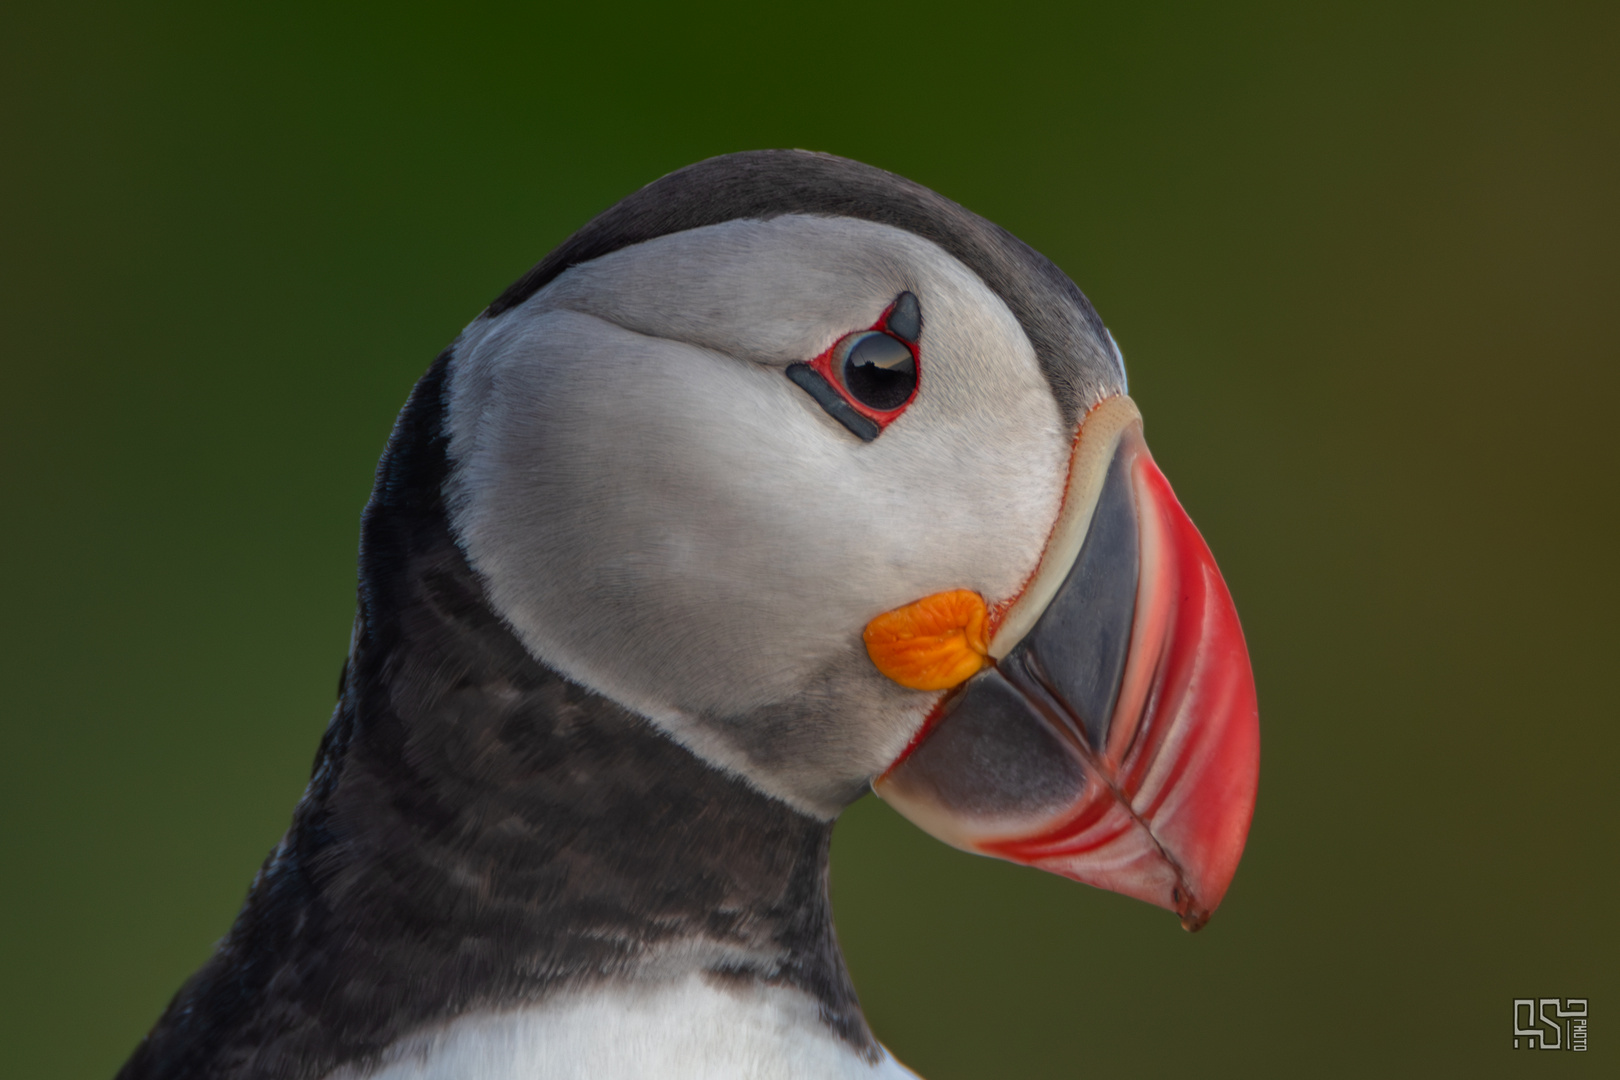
x=867 y=379
x=877 y=370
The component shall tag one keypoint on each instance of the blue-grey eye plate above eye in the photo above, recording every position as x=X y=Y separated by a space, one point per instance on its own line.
x=905 y=321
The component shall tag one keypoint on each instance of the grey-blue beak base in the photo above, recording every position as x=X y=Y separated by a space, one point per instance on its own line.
x=1007 y=743
x=1074 y=656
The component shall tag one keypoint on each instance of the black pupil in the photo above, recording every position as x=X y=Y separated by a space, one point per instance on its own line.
x=879 y=371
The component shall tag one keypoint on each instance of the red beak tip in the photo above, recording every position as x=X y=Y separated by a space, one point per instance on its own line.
x=1194 y=915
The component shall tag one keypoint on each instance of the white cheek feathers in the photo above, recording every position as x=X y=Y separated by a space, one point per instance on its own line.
x=675 y=524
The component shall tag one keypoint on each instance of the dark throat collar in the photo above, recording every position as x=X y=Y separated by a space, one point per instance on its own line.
x=481 y=833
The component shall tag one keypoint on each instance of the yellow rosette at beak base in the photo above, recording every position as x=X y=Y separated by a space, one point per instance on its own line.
x=934 y=643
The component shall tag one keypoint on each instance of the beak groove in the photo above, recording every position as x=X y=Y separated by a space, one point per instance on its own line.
x=1116 y=739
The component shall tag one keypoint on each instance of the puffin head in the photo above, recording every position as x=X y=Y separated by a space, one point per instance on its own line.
x=838 y=486
x=783 y=479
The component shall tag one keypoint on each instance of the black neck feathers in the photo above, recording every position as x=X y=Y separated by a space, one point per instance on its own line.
x=479 y=832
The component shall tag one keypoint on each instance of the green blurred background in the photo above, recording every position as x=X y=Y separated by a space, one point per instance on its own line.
x=1362 y=260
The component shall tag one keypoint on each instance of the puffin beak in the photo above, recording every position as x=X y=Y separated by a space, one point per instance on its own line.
x=1111 y=735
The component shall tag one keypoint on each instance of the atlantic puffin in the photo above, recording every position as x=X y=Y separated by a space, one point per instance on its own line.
x=782 y=480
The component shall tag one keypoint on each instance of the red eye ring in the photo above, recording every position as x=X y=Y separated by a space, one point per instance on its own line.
x=864 y=371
